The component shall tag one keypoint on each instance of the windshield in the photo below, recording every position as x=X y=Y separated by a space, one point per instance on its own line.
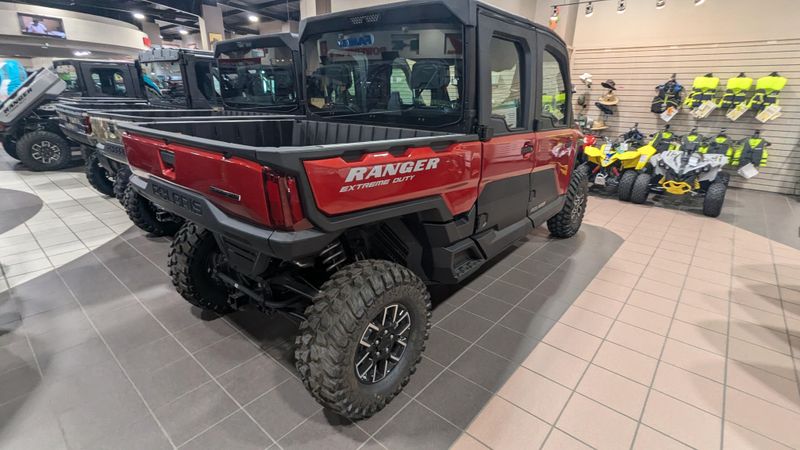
x=163 y=82
x=400 y=74
x=258 y=78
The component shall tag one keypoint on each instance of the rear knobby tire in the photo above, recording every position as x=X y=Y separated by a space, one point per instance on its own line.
x=143 y=214
x=626 y=184
x=715 y=197
x=329 y=338
x=568 y=221
x=191 y=254
x=121 y=183
x=44 y=150
x=641 y=189
x=98 y=176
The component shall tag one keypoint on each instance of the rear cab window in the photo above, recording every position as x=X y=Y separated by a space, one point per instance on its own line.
x=163 y=82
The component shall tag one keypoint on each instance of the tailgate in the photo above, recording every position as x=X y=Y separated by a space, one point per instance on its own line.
x=233 y=184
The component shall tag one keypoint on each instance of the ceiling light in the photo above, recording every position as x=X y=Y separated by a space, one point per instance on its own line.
x=621 y=6
x=138 y=15
x=183 y=32
x=661 y=3
x=252 y=18
x=160 y=36
x=81 y=53
x=589 y=10
x=699 y=2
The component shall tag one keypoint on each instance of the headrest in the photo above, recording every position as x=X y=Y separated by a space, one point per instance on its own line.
x=338 y=74
x=281 y=75
x=431 y=74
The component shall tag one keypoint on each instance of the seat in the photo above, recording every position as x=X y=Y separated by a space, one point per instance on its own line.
x=434 y=76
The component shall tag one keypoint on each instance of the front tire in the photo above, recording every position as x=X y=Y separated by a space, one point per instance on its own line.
x=715 y=197
x=353 y=356
x=98 y=176
x=191 y=257
x=44 y=150
x=568 y=221
x=10 y=146
x=626 y=184
x=641 y=189
x=143 y=214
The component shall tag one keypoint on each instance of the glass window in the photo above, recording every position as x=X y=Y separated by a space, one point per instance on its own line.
x=205 y=79
x=163 y=82
x=68 y=73
x=257 y=78
x=400 y=74
x=554 y=93
x=505 y=74
x=109 y=82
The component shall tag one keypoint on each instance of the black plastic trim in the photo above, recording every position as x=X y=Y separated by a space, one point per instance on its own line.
x=284 y=245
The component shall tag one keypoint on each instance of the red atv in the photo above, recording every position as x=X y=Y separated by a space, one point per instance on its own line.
x=434 y=140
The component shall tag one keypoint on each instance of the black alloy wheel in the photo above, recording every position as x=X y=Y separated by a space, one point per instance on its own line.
x=383 y=344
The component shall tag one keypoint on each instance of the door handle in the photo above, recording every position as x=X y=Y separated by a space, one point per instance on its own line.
x=527 y=148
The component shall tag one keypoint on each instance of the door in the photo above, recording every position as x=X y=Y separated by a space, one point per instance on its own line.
x=555 y=139
x=505 y=53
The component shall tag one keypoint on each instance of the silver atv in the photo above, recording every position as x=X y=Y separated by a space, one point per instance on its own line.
x=686 y=171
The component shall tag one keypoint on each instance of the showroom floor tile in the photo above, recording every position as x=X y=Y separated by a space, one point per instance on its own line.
x=653 y=328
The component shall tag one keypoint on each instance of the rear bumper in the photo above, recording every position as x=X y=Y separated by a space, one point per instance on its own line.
x=112 y=151
x=75 y=135
x=188 y=204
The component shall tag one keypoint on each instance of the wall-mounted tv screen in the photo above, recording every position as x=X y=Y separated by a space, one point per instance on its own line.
x=34 y=25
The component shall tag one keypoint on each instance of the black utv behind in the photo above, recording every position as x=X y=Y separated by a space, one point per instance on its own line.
x=28 y=122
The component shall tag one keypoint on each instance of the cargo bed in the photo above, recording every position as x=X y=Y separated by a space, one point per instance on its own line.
x=284 y=142
x=220 y=167
x=109 y=143
x=73 y=119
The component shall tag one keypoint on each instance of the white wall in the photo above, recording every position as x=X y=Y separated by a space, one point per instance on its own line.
x=83 y=30
x=680 y=22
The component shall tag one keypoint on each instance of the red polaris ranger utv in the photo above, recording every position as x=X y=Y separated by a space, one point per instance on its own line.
x=434 y=139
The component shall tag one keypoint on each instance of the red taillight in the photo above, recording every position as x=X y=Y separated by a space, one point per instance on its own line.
x=283 y=200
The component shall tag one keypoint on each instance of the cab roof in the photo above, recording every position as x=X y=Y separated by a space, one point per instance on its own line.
x=171 y=54
x=289 y=40
x=410 y=11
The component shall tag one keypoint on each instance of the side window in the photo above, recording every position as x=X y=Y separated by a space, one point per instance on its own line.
x=109 y=81
x=205 y=79
x=554 y=92
x=505 y=77
x=68 y=73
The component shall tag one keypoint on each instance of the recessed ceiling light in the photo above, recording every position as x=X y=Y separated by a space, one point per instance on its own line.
x=183 y=32
x=589 y=10
x=699 y=2
x=252 y=18
x=621 y=7
x=138 y=15
x=661 y=3
x=81 y=53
